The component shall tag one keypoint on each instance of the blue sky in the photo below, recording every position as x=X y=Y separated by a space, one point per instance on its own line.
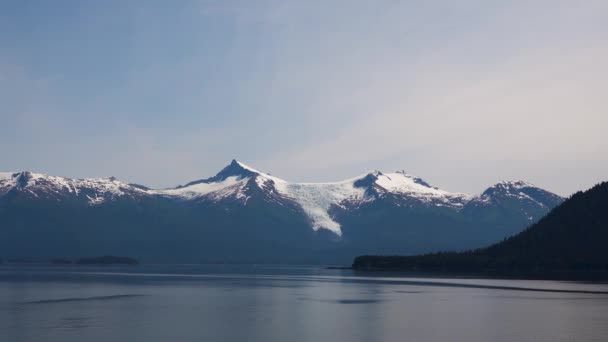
x=462 y=94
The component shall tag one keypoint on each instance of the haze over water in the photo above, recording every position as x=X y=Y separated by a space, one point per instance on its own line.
x=283 y=303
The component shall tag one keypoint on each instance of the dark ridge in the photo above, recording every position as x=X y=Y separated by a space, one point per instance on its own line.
x=569 y=243
x=107 y=260
x=26 y=261
x=233 y=169
x=139 y=186
x=368 y=180
x=23 y=178
x=422 y=182
x=82 y=299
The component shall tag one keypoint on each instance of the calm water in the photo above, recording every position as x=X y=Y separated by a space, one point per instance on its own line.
x=261 y=303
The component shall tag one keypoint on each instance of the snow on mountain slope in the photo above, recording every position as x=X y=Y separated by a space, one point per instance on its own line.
x=216 y=190
x=95 y=190
x=5 y=175
x=6 y=182
x=315 y=199
x=232 y=181
x=401 y=183
x=518 y=190
x=510 y=197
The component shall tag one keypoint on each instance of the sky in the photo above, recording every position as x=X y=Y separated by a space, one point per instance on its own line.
x=460 y=93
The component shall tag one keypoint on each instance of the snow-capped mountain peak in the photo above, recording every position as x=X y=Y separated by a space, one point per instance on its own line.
x=233 y=181
x=244 y=166
x=401 y=182
x=40 y=185
x=416 y=180
x=516 y=184
x=517 y=190
x=239 y=182
x=214 y=188
x=234 y=169
x=508 y=187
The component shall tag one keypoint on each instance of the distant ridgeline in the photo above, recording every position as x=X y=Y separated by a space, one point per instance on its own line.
x=571 y=240
x=107 y=260
x=242 y=215
x=100 y=260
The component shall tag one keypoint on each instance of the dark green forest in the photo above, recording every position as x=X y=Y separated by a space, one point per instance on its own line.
x=572 y=239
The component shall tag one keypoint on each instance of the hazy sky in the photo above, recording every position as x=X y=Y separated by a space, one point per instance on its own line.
x=460 y=93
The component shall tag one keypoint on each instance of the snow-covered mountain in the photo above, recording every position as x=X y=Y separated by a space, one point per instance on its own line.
x=376 y=199
x=317 y=199
x=42 y=186
x=506 y=198
x=518 y=191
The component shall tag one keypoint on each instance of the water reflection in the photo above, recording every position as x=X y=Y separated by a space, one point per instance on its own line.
x=232 y=303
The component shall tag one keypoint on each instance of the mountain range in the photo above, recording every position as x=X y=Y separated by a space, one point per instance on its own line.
x=244 y=215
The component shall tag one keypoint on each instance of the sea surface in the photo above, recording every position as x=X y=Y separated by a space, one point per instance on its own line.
x=288 y=303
